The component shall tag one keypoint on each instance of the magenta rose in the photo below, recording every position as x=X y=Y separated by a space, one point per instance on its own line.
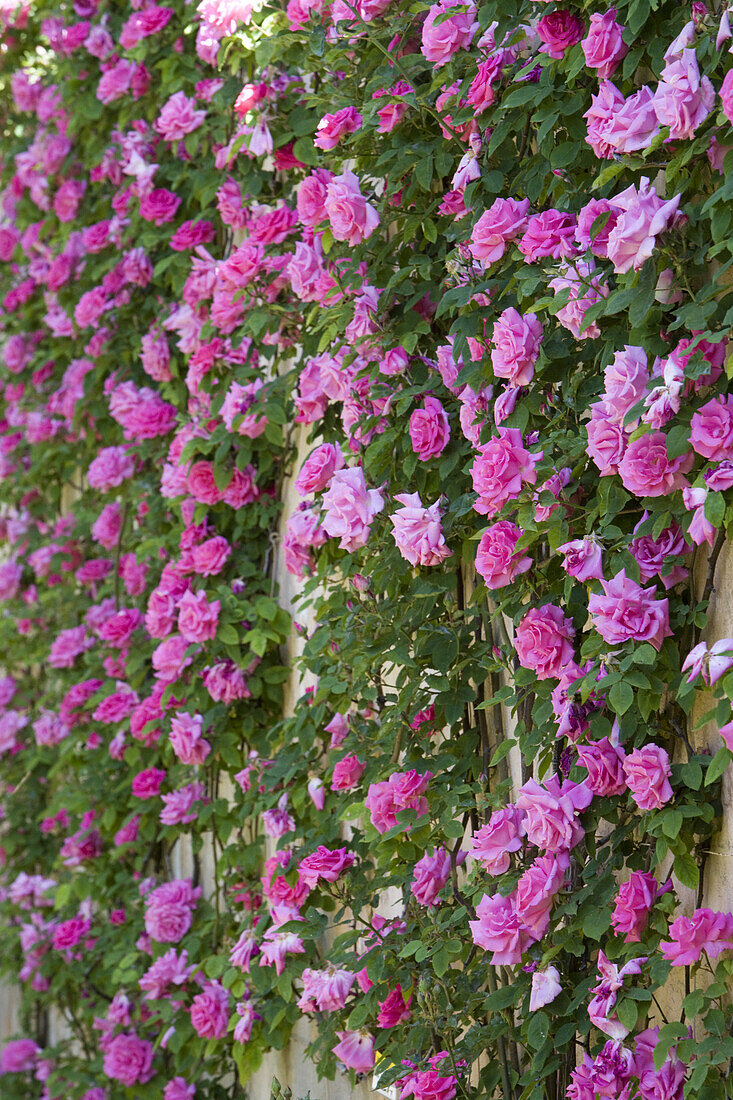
x=318 y=468
x=505 y=220
x=500 y=469
x=604 y=762
x=128 y=1059
x=559 y=30
x=441 y=39
x=606 y=438
x=492 y=844
x=647 y=774
x=210 y=556
x=536 y=889
x=543 y=640
x=159 y=206
x=197 y=617
x=147 y=783
x=346 y=773
x=431 y=875
x=332 y=127
x=352 y=218
x=706 y=930
x=551 y=812
x=711 y=430
x=726 y=95
x=429 y=429
x=498 y=929
x=210 y=1011
x=551 y=233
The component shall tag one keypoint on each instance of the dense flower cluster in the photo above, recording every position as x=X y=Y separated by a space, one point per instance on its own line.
x=450 y=288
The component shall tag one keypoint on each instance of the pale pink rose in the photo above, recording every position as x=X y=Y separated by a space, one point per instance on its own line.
x=332 y=127
x=536 y=890
x=356 y=1050
x=429 y=429
x=647 y=471
x=493 y=843
x=168 y=910
x=351 y=217
x=543 y=640
x=603 y=46
x=647 y=774
x=210 y=1011
x=545 y=987
x=349 y=508
x=303 y=533
x=169 y=659
x=626 y=379
x=644 y=217
x=187 y=740
x=504 y=221
x=683 y=99
x=606 y=438
x=110 y=468
x=116 y=81
x=441 y=39
x=516 y=339
x=497 y=560
x=417 y=532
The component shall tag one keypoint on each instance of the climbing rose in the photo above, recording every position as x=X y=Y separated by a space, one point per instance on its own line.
x=543 y=640
x=634 y=901
x=505 y=220
x=492 y=844
x=349 y=508
x=128 y=1059
x=497 y=560
x=516 y=339
x=647 y=774
x=498 y=473
x=711 y=430
x=431 y=875
x=352 y=218
x=429 y=429
x=551 y=812
x=603 y=46
x=498 y=929
x=559 y=31
x=647 y=471
x=356 y=1050
x=417 y=531
x=627 y=611
x=440 y=40
x=706 y=930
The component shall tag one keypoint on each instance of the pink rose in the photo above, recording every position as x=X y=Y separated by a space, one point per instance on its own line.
x=169 y=659
x=626 y=379
x=356 y=1050
x=501 y=468
x=324 y=864
x=159 y=206
x=644 y=216
x=18 y=1056
x=633 y=904
x=331 y=128
x=595 y=239
x=394 y=1009
x=110 y=468
x=551 y=812
x=647 y=471
x=543 y=640
x=726 y=95
x=349 y=508
x=318 y=468
x=147 y=783
x=516 y=339
x=683 y=99
x=711 y=433
x=492 y=844
x=346 y=773
x=647 y=774
x=583 y=559
x=210 y=1011
x=311 y=201
x=559 y=30
x=429 y=429
x=606 y=438
x=187 y=740
x=499 y=930
x=550 y=233
x=128 y=1059
x=352 y=218
x=417 y=532
x=505 y=220
x=210 y=556
x=168 y=910
x=201 y=484
x=627 y=611
x=431 y=875
x=706 y=930
x=497 y=560
x=604 y=46
x=178 y=117
x=197 y=617
x=536 y=889
x=440 y=40
x=604 y=763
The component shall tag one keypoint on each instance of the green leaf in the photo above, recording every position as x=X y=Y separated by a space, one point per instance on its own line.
x=538 y=1030
x=686 y=870
x=621 y=696
x=717 y=765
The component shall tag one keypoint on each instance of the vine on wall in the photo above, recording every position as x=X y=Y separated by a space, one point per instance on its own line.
x=483 y=256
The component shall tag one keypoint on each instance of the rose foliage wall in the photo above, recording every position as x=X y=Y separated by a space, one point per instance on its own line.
x=482 y=255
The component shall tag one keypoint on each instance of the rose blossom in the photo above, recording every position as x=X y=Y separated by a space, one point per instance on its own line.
x=417 y=531
x=536 y=890
x=647 y=774
x=352 y=218
x=550 y=233
x=706 y=930
x=318 y=468
x=440 y=40
x=128 y=1059
x=178 y=117
x=627 y=611
x=210 y=1011
x=683 y=99
x=492 y=844
x=644 y=216
x=197 y=617
x=711 y=429
x=633 y=904
x=497 y=559
x=346 y=773
x=543 y=640
x=431 y=875
x=604 y=762
x=583 y=559
x=551 y=812
x=332 y=127
x=110 y=468
x=516 y=339
x=210 y=556
x=559 y=30
x=647 y=471
x=505 y=220
x=498 y=473
x=603 y=46
x=429 y=429
x=498 y=929
x=349 y=508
